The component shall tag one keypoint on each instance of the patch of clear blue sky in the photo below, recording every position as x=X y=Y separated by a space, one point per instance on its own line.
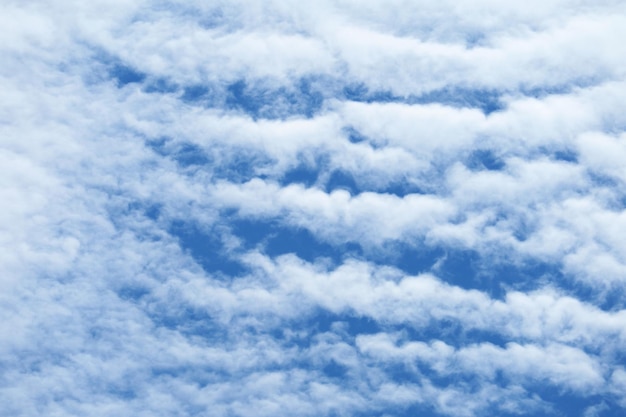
x=301 y=99
x=566 y=155
x=487 y=101
x=568 y=404
x=485 y=159
x=125 y=75
x=276 y=239
x=206 y=247
x=186 y=154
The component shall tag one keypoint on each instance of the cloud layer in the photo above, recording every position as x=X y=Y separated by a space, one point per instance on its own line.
x=353 y=208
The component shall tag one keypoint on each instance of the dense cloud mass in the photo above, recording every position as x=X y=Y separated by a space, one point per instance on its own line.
x=346 y=208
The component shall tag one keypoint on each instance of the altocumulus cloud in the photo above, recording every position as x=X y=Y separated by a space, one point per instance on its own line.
x=268 y=208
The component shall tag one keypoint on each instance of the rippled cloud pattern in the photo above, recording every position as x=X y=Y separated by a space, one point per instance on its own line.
x=339 y=208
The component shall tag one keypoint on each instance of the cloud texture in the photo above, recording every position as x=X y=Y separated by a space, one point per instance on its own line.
x=350 y=208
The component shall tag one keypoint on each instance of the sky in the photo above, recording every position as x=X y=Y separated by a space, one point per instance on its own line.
x=336 y=208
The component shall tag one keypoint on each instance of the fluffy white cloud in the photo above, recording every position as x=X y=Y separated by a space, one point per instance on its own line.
x=136 y=138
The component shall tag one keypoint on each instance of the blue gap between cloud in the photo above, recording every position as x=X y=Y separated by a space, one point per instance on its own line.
x=301 y=174
x=184 y=153
x=206 y=248
x=465 y=268
x=566 y=155
x=110 y=67
x=488 y=101
x=306 y=172
x=160 y=86
x=323 y=320
x=485 y=159
x=189 y=154
x=608 y=300
x=186 y=319
x=308 y=175
x=568 y=404
x=462 y=268
x=353 y=135
x=124 y=74
x=446 y=330
x=198 y=94
x=342 y=180
x=276 y=239
x=153 y=211
x=299 y=99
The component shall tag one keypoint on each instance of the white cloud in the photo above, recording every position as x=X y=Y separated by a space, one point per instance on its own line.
x=107 y=313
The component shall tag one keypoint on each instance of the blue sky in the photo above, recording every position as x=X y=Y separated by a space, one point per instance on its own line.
x=270 y=208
